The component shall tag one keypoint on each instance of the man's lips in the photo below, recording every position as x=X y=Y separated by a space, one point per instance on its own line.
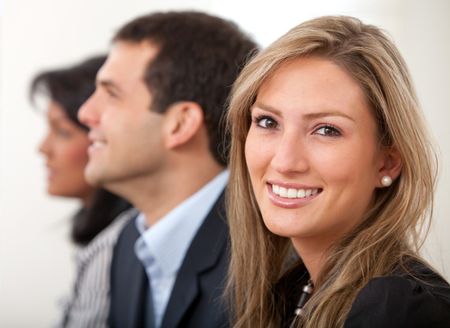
x=96 y=136
x=96 y=146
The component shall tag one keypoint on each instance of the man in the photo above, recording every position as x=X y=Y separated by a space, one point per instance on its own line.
x=157 y=140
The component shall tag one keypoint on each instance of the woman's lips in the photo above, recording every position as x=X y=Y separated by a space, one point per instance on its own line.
x=290 y=196
x=51 y=173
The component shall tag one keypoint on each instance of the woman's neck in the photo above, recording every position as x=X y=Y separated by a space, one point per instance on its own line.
x=313 y=256
x=87 y=200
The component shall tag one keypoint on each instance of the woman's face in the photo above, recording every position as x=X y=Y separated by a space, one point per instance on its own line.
x=65 y=148
x=312 y=151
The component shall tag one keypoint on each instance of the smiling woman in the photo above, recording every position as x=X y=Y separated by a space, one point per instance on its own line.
x=94 y=226
x=329 y=144
x=321 y=159
x=65 y=150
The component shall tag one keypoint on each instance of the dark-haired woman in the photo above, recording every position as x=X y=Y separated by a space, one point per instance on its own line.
x=97 y=223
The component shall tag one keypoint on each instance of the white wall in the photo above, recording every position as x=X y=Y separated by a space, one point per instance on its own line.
x=35 y=255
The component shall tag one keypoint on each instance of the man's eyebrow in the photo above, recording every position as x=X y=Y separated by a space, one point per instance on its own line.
x=308 y=116
x=108 y=84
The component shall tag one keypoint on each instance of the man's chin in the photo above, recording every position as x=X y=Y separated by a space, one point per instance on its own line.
x=103 y=181
x=93 y=177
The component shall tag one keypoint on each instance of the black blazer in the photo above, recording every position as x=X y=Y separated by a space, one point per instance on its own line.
x=412 y=298
x=418 y=298
x=197 y=296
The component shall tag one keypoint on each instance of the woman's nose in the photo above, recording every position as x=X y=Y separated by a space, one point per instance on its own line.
x=44 y=147
x=290 y=155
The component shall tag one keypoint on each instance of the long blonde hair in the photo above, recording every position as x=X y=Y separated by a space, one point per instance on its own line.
x=391 y=230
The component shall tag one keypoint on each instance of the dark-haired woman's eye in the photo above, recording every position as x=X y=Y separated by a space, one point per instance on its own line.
x=266 y=122
x=63 y=133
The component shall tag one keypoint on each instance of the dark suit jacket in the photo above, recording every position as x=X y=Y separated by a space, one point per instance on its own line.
x=197 y=296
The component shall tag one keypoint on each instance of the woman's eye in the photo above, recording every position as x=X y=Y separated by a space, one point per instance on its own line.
x=328 y=131
x=63 y=133
x=266 y=122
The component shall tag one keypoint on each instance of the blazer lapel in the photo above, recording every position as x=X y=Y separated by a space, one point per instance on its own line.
x=203 y=254
x=131 y=281
x=138 y=289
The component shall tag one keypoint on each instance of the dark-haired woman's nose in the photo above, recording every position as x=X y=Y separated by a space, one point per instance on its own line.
x=45 y=146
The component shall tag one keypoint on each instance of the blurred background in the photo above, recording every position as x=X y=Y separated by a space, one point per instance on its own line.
x=36 y=267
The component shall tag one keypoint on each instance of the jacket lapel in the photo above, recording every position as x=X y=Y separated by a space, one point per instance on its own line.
x=131 y=285
x=203 y=254
x=138 y=289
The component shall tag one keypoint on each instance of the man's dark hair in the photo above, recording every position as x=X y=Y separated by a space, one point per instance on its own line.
x=198 y=60
x=70 y=88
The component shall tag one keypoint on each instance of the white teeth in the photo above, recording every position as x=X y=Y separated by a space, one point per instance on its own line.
x=301 y=193
x=292 y=192
x=276 y=189
x=98 y=144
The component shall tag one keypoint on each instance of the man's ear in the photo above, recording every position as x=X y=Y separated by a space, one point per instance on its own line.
x=183 y=120
x=391 y=165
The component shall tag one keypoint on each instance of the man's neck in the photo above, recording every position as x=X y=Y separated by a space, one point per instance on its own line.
x=157 y=196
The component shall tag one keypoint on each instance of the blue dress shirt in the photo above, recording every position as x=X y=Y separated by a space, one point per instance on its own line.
x=162 y=247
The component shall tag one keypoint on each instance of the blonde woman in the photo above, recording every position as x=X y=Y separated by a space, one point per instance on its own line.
x=330 y=161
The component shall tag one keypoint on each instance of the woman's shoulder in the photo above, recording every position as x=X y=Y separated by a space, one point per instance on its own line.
x=107 y=238
x=412 y=297
x=112 y=231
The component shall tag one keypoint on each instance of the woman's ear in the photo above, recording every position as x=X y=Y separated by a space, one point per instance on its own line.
x=183 y=120
x=390 y=168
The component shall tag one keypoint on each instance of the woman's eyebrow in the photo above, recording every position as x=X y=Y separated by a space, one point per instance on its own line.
x=307 y=116
x=312 y=116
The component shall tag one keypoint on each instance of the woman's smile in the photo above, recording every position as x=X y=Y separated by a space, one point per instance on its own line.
x=290 y=195
x=312 y=151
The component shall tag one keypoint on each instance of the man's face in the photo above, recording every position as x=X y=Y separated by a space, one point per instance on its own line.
x=125 y=133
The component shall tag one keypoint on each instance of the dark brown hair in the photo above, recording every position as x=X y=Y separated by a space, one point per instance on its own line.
x=199 y=58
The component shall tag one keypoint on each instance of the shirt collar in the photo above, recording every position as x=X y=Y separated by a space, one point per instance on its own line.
x=168 y=240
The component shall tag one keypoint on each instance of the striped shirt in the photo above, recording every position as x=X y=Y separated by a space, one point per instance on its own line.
x=88 y=305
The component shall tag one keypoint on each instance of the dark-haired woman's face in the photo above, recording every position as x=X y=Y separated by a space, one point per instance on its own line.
x=65 y=148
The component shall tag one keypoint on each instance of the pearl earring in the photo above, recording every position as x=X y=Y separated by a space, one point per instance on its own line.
x=386 y=181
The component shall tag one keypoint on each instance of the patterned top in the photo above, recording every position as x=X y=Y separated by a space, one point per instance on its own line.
x=88 y=306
